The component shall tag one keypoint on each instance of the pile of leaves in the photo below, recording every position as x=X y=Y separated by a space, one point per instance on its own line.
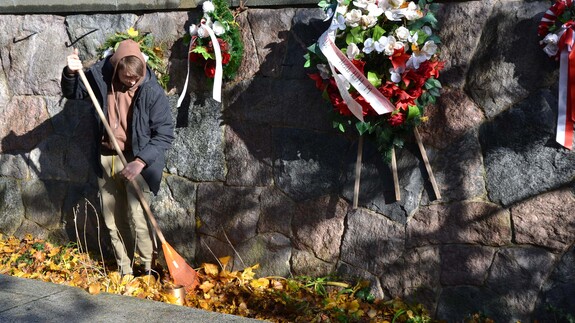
x=276 y=299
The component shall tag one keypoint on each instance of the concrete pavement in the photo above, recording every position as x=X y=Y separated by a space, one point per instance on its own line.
x=28 y=300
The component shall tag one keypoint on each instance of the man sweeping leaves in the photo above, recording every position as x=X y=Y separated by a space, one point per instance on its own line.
x=138 y=113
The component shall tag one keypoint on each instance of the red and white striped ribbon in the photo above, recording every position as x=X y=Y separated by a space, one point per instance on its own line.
x=337 y=59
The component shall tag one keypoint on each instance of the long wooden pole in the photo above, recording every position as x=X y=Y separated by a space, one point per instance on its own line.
x=427 y=164
x=395 y=176
x=357 y=172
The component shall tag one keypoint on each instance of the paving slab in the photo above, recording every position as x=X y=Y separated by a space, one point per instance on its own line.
x=28 y=300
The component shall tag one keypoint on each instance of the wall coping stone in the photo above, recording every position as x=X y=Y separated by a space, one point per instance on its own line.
x=83 y=6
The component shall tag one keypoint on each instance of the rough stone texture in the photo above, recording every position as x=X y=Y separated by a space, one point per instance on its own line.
x=34 y=42
x=43 y=201
x=266 y=168
x=319 y=226
x=271 y=250
x=372 y=241
x=414 y=276
x=230 y=212
x=546 y=220
x=307 y=164
x=306 y=263
x=270 y=31
x=248 y=152
x=458 y=170
x=516 y=276
x=505 y=71
x=451 y=118
x=25 y=122
x=89 y=32
x=277 y=212
x=198 y=151
x=12 y=211
x=558 y=290
x=520 y=156
x=467 y=222
x=461 y=26
x=465 y=264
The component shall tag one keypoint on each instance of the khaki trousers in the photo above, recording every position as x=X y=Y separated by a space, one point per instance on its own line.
x=124 y=215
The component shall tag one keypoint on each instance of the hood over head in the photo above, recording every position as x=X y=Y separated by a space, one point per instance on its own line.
x=126 y=48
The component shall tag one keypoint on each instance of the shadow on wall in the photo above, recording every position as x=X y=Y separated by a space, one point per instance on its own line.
x=455 y=253
x=58 y=181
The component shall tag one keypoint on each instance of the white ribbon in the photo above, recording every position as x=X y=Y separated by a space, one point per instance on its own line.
x=335 y=57
x=183 y=94
x=217 y=91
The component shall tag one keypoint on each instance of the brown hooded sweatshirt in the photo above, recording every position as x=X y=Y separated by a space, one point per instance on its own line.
x=120 y=97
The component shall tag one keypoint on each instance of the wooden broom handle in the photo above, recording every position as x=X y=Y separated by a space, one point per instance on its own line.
x=137 y=187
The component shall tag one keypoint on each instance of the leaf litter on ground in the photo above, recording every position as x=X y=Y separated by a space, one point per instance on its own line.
x=275 y=298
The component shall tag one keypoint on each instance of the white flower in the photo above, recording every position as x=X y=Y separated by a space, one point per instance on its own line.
x=368 y=45
x=388 y=45
x=427 y=30
x=352 y=51
x=324 y=71
x=390 y=4
x=393 y=15
x=193 y=30
x=429 y=49
x=396 y=3
x=373 y=10
x=218 y=28
x=208 y=6
x=341 y=8
x=412 y=12
x=338 y=23
x=367 y=22
x=353 y=17
x=396 y=74
x=551 y=47
x=203 y=32
x=402 y=33
x=415 y=60
x=363 y=3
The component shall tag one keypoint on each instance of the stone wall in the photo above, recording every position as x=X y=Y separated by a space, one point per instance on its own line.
x=263 y=177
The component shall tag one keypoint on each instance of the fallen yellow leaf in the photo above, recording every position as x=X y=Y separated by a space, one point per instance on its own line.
x=211 y=269
x=94 y=288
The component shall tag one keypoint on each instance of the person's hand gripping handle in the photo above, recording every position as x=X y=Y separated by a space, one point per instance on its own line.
x=74 y=64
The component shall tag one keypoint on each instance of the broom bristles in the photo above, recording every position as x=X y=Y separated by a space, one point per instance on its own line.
x=181 y=272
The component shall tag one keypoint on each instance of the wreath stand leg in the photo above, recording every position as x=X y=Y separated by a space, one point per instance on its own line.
x=427 y=164
x=357 y=172
x=395 y=177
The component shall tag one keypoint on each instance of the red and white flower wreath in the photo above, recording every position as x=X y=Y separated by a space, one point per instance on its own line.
x=558 y=42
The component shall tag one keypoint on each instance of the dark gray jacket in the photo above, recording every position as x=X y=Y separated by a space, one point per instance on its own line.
x=152 y=123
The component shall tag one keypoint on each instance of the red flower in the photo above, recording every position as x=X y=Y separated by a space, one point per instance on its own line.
x=225 y=58
x=210 y=68
x=318 y=81
x=196 y=58
x=396 y=119
x=399 y=58
x=223 y=45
